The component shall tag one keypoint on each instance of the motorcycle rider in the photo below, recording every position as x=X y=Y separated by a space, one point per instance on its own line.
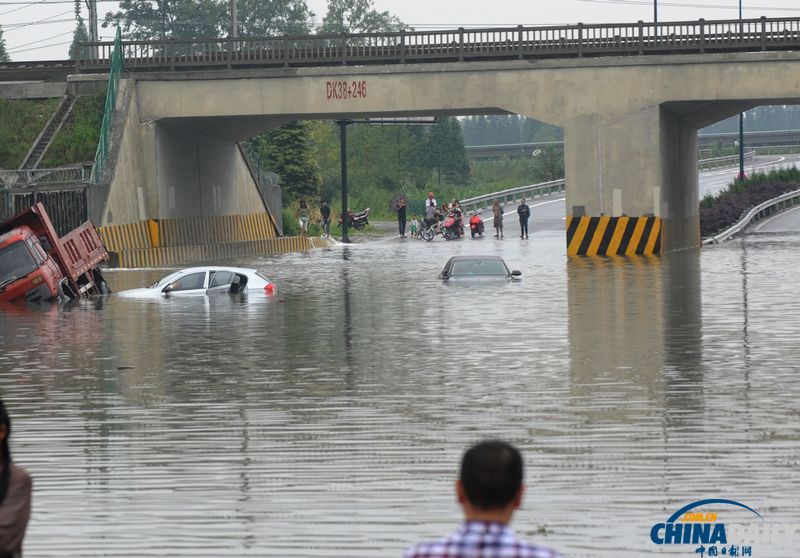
x=431 y=201
x=455 y=208
x=476 y=224
x=430 y=215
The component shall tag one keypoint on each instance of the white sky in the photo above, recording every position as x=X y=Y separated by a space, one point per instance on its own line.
x=50 y=39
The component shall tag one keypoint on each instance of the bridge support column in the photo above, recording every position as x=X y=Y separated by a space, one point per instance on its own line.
x=632 y=183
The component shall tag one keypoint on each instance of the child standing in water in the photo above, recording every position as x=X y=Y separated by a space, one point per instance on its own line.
x=414 y=225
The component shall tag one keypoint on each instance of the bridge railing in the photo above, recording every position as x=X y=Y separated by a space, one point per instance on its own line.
x=530 y=191
x=461 y=44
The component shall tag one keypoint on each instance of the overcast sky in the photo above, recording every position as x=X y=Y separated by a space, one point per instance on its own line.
x=42 y=29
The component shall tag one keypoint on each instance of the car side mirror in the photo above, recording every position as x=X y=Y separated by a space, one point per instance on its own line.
x=169 y=288
x=444 y=275
x=516 y=273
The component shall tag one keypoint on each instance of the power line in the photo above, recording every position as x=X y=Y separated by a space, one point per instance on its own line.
x=39 y=41
x=39 y=47
x=31 y=4
x=16 y=26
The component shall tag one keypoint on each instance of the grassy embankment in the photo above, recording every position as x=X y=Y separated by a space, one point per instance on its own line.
x=719 y=212
x=76 y=142
x=22 y=120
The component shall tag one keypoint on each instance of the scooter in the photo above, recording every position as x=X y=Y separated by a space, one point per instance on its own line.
x=357 y=220
x=475 y=224
x=452 y=227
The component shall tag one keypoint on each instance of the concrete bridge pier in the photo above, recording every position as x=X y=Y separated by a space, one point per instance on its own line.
x=632 y=184
x=638 y=171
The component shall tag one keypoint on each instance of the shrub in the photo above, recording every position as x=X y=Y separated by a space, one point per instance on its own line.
x=724 y=210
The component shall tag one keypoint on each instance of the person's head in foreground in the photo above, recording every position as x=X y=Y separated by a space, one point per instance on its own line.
x=489 y=489
x=489 y=486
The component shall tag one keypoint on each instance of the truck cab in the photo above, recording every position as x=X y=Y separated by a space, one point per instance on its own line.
x=36 y=265
x=26 y=271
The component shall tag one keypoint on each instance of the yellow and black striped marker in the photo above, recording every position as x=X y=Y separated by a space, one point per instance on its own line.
x=169 y=242
x=612 y=236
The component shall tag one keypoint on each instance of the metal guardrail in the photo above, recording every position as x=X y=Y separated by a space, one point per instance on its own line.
x=555 y=186
x=36 y=177
x=726 y=160
x=505 y=196
x=616 y=39
x=765 y=209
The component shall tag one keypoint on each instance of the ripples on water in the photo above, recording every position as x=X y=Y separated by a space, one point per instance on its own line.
x=329 y=420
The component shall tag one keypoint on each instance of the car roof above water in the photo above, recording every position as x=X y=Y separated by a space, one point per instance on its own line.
x=461 y=258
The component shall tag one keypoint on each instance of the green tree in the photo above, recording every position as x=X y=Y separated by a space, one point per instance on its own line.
x=81 y=35
x=3 y=52
x=357 y=16
x=548 y=164
x=170 y=19
x=259 y=18
x=289 y=152
x=381 y=155
x=446 y=152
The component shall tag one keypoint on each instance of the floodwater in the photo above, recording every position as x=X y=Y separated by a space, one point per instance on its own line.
x=329 y=420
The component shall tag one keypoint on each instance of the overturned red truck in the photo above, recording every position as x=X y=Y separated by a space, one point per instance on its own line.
x=36 y=265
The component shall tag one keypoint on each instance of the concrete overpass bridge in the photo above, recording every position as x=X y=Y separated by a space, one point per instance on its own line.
x=630 y=98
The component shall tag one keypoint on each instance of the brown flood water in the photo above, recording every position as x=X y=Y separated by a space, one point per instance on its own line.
x=329 y=420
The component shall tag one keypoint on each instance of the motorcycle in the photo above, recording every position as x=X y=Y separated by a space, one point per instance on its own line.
x=453 y=226
x=430 y=227
x=475 y=225
x=356 y=220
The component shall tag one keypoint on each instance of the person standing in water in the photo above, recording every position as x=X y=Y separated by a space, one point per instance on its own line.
x=401 y=215
x=497 y=212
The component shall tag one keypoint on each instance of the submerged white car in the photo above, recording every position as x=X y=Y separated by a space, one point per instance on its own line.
x=207 y=280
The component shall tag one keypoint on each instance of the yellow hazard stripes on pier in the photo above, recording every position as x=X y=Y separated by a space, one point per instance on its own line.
x=169 y=242
x=611 y=236
x=130 y=236
x=214 y=230
x=168 y=256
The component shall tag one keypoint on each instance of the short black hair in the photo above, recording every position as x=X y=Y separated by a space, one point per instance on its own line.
x=491 y=474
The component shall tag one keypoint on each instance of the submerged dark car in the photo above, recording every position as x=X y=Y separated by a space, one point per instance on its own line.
x=477 y=267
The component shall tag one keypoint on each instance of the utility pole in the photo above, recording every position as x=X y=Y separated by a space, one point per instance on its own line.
x=343 y=148
x=741 y=115
x=655 y=11
x=234 y=20
x=92 y=7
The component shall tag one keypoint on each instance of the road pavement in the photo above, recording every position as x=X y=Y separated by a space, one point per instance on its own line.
x=786 y=221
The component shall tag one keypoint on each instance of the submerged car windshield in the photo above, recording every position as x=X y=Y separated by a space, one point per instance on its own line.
x=15 y=262
x=478 y=267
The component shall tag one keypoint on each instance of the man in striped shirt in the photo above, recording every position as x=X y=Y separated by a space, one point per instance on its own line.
x=489 y=489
